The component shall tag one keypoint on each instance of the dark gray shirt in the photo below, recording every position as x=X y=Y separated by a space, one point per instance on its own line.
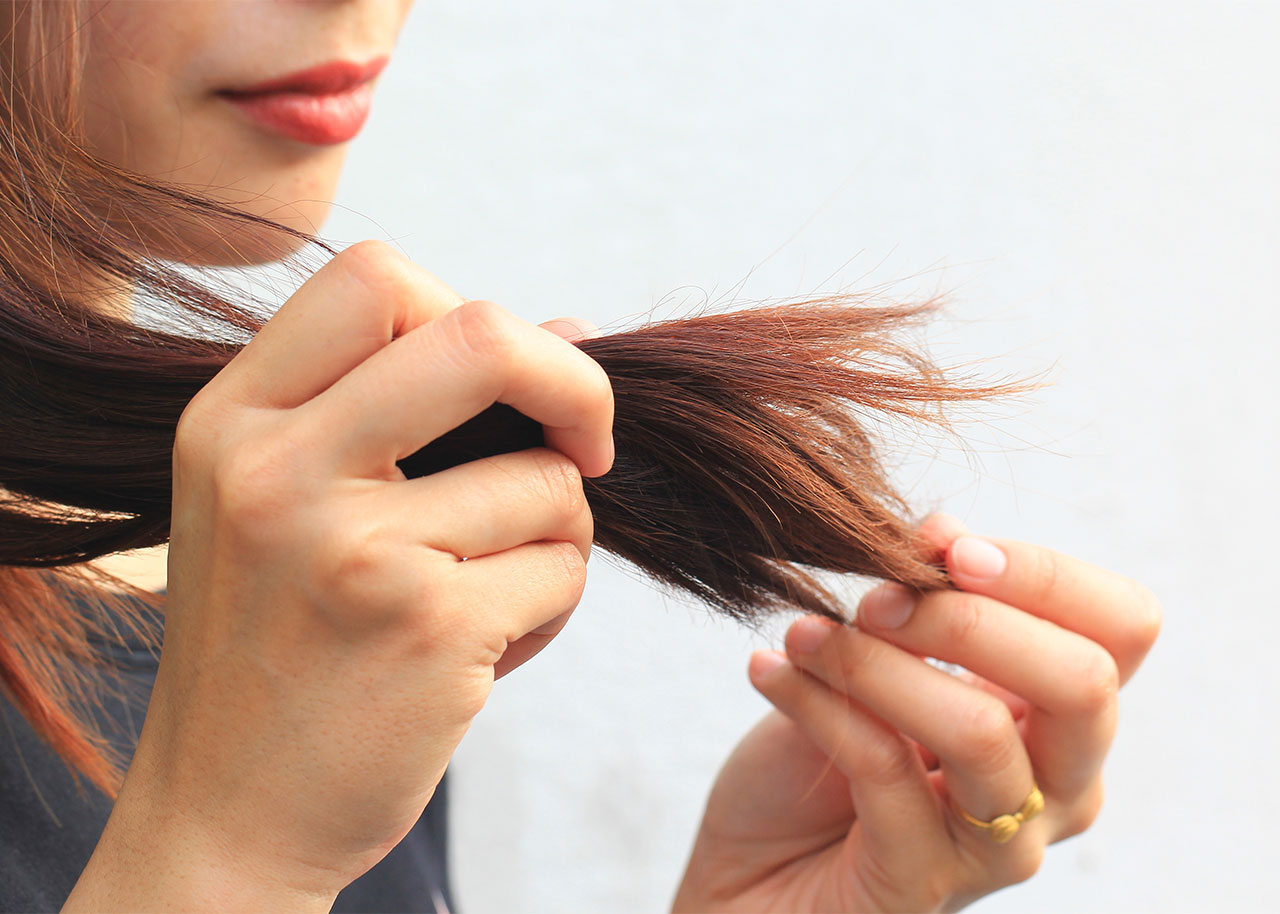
x=49 y=828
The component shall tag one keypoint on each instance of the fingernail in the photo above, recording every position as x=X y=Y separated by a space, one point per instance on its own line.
x=765 y=662
x=807 y=635
x=888 y=606
x=978 y=559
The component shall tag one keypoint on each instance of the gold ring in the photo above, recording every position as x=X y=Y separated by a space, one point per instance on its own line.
x=1003 y=828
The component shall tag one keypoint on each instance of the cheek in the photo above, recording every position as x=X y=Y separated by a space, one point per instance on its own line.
x=138 y=119
x=150 y=107
x=127 y=114
x=137 y=81
x=203 y=145
x=254 y=178
x=257 y=172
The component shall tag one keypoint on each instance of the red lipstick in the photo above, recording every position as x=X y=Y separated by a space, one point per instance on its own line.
x=322 y=105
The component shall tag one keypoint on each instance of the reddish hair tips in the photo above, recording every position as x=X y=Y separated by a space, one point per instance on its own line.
x=743 y=462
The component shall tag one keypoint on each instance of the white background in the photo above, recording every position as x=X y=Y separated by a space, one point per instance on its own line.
x=1097 y=186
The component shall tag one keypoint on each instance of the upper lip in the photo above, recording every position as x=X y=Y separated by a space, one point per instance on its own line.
x=325 y=79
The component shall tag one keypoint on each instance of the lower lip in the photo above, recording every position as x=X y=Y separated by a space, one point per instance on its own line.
x=320 y=120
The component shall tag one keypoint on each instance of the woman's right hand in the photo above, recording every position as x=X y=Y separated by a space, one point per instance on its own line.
x=331 y=627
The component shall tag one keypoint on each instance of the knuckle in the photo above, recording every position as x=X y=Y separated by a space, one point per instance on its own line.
x=192 y=426
x=379 y=267
x=962 y=619
x=399 y=291
x=1097 y=682
x=1043 y=574
x=885 y=762
x=354 y=575
x=561 y=482
x=569 y=570
x=348 y=563
x=483 y=329
x=252 y=489
x=855 y=656
x=202 y=423
x=986 y=735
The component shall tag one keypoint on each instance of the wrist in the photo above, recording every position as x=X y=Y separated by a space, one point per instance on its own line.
x=154 y=856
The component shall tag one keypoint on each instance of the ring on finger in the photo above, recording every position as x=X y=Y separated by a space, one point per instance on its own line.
x=1002 y=828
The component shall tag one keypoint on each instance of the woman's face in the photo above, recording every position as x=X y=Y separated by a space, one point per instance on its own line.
x=164 y=97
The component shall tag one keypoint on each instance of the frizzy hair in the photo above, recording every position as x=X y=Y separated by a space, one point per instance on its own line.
x=744 y=460
x=741 y=460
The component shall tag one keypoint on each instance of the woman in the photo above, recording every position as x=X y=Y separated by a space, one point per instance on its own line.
x=331 y=628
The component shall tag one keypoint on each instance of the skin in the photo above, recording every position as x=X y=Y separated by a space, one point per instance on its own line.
x=854 y=776
x=319 y=604
x=150 y=104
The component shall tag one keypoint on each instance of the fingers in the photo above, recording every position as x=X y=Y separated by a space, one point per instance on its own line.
x=1103 y=606
x=349 y=327
x=1045 y=641
x=1057 y=670
x=526 y=646
x=492 y=508
x=437 y=376
x=898 y=813
x=973 y=734
x=355 y=304
x=515 y=592
x=1108 y=608
x=938 y=531
x=492 y=504
x=1073 y=681
x=519 y=652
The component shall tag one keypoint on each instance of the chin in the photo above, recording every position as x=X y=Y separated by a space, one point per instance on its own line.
x=211 y=151
x=240 y=245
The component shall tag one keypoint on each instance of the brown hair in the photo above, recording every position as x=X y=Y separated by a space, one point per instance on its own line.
x=742 y=454
x=743 y=459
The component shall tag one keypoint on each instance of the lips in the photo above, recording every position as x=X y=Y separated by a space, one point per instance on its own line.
x=321 y=106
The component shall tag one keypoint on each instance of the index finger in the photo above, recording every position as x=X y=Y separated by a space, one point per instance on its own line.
x=441 y=374
x=1104 y=606
x=358 y=302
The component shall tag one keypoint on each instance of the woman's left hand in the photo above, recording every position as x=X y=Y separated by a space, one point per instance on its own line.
x=844 y=798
